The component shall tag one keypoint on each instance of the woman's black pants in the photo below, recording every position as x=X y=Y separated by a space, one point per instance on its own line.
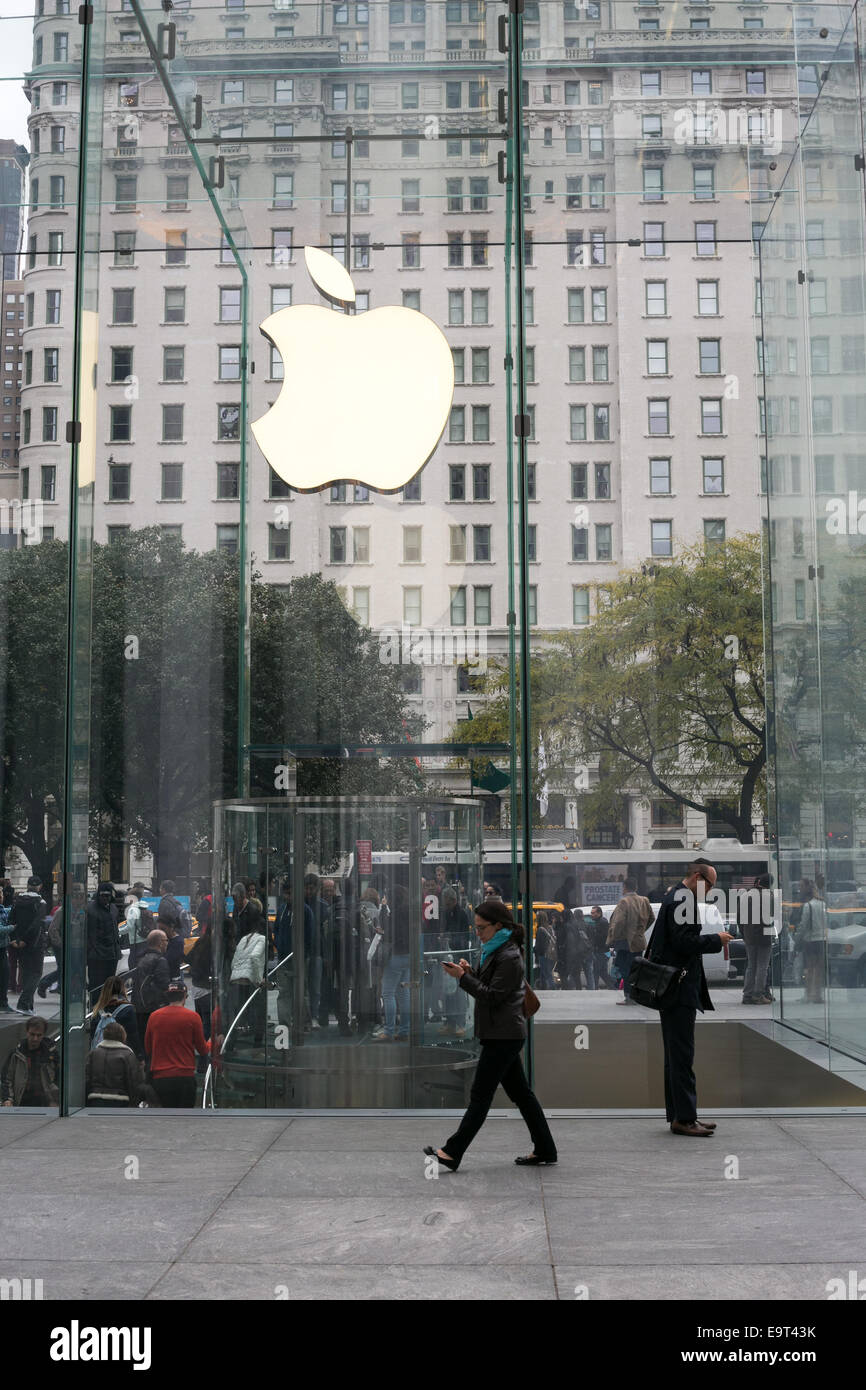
x=499 y=1064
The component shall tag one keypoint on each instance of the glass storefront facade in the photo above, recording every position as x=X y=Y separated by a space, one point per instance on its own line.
x=494 y=550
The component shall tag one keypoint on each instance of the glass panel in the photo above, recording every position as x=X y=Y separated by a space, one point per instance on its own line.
x=331 y=927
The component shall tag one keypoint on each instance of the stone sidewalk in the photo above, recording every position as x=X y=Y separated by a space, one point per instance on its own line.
x=338 y=1207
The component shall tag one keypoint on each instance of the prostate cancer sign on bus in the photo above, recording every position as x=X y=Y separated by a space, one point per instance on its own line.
x=600 y=893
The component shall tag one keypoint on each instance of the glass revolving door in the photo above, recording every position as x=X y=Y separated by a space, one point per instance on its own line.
x=332 y=917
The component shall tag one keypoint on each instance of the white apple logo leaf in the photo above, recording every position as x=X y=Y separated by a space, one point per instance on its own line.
x=329 y=276
x=365 y=397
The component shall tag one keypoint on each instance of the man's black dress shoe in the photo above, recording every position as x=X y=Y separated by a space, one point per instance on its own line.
x=530 y=1160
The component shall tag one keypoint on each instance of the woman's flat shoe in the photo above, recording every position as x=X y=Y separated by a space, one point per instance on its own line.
x=530 y=1161
x=446 y=1162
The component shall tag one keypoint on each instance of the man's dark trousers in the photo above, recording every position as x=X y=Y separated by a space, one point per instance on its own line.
x=678 y=1036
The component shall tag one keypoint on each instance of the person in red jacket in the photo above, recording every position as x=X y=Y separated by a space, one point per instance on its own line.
x=174 y=1035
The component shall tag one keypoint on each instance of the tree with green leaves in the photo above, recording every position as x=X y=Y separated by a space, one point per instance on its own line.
x=163 y=694
x=663 y=691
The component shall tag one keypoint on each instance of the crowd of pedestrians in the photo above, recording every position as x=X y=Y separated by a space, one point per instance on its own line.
x=355 y=947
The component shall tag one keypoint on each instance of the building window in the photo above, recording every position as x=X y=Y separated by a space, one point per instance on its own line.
x=658 y=413
x=481 y=482
x=481 y=544
x=657 y=356
x=709 y=356
x=575 y=306
x=656 y=298
x=660 y=476
x=713 y=475
x=49 y=424
x=172 y=482
x=279 y=542
x=412 y=605
x=227 y=539
x=51 y=364
x=120 y=430
x=457 y=544
x=661 y=540
x=411 y=247
x=604 y=542
x=121 y=363
x=123 y=306
x=360 y=604
x=230 y=305
x=711 y=415
x=653 y=184
x=708 y=296
x=338 y=554
x=230 y=363
x=481 y=601
x=173 y=364
x=411 y=545
x=480 y=424
x=172 y=423
x=281 y=245
x=176 y=192
x=175 y=248
x=704 y=183
x=579 y=605
x=457 y=606
x=174 y=306
x=577 y=422
x=714 y=534
x=579 y=543
x=705 y=238
x=228 y=422
x=119 y=482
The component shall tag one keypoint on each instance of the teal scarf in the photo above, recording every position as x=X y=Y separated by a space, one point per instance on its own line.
x=503 y=935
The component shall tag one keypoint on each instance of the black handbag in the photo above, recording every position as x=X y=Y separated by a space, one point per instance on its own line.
x=654 y=985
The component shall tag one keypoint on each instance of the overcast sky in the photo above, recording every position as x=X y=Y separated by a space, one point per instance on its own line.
x=16 y=56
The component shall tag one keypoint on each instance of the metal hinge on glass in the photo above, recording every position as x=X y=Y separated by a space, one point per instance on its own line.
x=816 y=573
x=859 y=163
x=501 y=171
x=85 y=15
x=521 y=426
x=73 y=431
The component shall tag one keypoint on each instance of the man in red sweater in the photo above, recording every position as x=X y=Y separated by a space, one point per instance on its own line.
x=174 y=1035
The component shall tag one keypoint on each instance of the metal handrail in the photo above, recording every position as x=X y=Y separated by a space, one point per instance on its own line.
x=208 y=1079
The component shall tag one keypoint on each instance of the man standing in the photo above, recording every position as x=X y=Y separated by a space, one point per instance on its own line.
x=677 y=941
x=27 y=921
x=627 y=932
x=150 y=980
x=598 y=928
x=174 y=1035
x=336 y=968
x=103 y=938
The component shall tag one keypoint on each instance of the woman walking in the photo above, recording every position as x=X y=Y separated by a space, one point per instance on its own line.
x=498 y=990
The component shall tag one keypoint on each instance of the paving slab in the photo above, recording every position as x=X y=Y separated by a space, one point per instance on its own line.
x=78 y=1225
x=443 y=1229
x=94 y=1279
x=356 y=1283
x=724 y=1228
x=123 y=1168
x=716 y=1283
x=16 y=1127
x=152 y=1130
x=301 y=1173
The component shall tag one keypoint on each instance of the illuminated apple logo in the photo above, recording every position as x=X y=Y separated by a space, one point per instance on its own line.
x=365 y=397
